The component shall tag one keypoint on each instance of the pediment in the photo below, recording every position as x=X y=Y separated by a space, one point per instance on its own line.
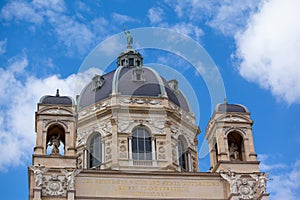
x=55 y=111
x=234 y=118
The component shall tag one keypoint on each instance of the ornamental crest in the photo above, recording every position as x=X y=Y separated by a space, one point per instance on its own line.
x=54 y=186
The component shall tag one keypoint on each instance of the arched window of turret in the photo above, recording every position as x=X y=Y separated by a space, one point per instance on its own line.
x=236 y=146
x=55 y=141
x=141 y=144
x=94 y=150
x=183 y=154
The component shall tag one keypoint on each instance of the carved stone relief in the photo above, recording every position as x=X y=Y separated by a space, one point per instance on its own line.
x=126 y=126
x=185 y=115
x=57 y=111
x=108 y=151
x=161 y=150
x=174 y=153
x=245 y=185
x=93 y=109
x=123 y=149
x=104 y=128
x=176 y=131
x=140 y=101
x=54 y=186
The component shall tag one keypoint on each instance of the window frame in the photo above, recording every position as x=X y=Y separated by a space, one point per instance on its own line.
x=92 y=156
x=141 y=144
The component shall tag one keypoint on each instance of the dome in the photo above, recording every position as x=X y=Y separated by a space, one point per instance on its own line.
x=142 y=82
x=57 y=99
x=131 y=79
x=225 y=107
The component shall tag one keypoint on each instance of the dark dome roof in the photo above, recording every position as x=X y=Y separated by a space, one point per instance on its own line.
x=225 y=107
x=125 y=81
x=57 y=99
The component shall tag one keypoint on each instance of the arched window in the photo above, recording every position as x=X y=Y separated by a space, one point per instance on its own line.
x=95 y=151
x=235 y=146
x=182 y=154
x=141 y=144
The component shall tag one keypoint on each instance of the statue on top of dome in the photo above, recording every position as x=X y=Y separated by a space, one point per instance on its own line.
x=129 y=38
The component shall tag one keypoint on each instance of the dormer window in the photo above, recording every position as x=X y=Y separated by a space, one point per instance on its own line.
x=173 y=84
x=123 y=62
x=98 y=82
x=138 y=74
x=131 y=62
x=138 y=63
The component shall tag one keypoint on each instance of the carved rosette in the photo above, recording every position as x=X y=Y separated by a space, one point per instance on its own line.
x=108 y=151
x=123 y=149
x=54 y=185
x=161 y=150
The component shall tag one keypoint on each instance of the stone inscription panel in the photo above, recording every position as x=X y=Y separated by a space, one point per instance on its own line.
x=148 y=187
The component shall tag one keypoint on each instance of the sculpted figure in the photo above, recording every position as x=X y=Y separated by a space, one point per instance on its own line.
x=55 y=142
x=129 y=38
x=262 y=181
x=38 y=174
x=232 y=179
x=233 y=152
x=70 y=177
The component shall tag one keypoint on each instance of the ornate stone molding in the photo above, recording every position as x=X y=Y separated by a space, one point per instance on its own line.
x=104 y=128
x=141 y=101
x=176 y=131
x=93 y=109
x=156 y=126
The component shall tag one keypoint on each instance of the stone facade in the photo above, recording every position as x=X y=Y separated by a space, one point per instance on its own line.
x=120 y=143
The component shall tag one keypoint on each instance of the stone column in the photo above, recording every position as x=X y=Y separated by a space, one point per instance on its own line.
x=213 y=157
x=37 y=193
x=102 y=154
x=130 y=151
x=85 y=158
x=222 y=145
x=189 y=162
x=71 y=195
x=153 y=151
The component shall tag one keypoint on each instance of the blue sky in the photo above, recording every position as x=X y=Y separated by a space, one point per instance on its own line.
x=254 y=44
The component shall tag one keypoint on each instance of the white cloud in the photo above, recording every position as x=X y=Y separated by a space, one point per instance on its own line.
x=18 y=99
x=285 y=183
x=77 y=36
x=122 y=18
x=225 y=16
x=155 y=15
x=269 y=49
x=3 y=44
x=21 y=11
x=188 y=29
x=73 y=34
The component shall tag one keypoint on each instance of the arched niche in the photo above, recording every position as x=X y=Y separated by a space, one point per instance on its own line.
x=55 y=139
x=236 y=146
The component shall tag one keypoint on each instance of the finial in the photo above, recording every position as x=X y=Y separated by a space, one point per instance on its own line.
x=57 y=92
x=225 y=100
x=129 y=38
